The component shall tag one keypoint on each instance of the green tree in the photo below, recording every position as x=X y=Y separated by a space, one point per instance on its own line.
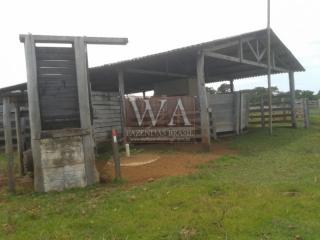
x=257 y=93
x=224 y=88
x=305 y=94
x=211 y=90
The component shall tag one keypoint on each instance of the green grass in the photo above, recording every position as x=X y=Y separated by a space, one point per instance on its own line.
x=270 y=190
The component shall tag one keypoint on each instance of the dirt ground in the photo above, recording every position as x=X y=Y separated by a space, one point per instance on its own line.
x=147 y=163
x=157 y=161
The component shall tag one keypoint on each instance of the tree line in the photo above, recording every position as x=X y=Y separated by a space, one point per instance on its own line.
x=257 y=93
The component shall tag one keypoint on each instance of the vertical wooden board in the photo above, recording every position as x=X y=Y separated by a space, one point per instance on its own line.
x=237 y=100
x=202 y=94
x=19 y=137
x=263 y=124
x=34 y=111
x=292 y=99
x=84 y=107
x=305 y=113
x=8 y=142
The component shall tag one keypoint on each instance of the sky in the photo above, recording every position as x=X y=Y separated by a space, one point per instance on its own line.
x=156 y=26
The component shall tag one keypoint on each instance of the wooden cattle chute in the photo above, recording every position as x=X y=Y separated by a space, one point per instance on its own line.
x=60 y=110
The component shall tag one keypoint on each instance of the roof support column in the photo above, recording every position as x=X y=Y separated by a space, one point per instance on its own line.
x=202 y=94
x=292 y=99
x=123 y=106
x=80 y=49
x=34 y=111
x=231 y=86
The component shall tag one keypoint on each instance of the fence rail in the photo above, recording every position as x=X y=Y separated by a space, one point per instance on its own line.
x=281 y=112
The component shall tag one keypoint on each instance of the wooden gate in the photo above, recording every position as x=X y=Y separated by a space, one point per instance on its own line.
x=161 y=119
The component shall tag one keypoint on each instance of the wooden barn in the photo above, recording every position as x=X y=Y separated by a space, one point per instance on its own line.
x=65 y=110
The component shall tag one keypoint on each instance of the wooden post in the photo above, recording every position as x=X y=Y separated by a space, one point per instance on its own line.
x=202 y=94
x=34 y=111
x=263 y=123
x=116 y=158
x=306 y=113
x=19 y=137
x=23 y=133
x=237 y=100
x=8 y=142
x=80 y=49
x=283 y=105
x=240 y=112
x=231 y=86
x=213 y=131
x=269 y=68
x=123 y=105
x=292 y=99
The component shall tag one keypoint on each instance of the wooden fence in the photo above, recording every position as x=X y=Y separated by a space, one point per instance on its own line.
x=105 y=110
x=314 y=104
x=281 y=112
x=25 y=129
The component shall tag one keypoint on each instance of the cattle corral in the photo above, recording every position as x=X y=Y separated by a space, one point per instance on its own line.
x=72 y=108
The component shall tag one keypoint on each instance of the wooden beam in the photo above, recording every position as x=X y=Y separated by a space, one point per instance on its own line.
x=70 y=39
x=8 y=142
x=80 y=49
x=244 y=61
x=292 y=99
x=240 y=49
x=202 y=94
x=19 y=137
x=228 y=44
x=157 y=73
x=34 y=111
x=123 y=106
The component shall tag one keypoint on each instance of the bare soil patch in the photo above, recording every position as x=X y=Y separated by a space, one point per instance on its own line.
x=157 y=161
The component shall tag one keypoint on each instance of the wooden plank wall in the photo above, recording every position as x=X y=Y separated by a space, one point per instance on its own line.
x=229 y=111
x=222 y=106
x=106 y=108
x=57 y=82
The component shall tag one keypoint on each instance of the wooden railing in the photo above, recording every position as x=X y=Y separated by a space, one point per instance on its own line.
x=281 y=112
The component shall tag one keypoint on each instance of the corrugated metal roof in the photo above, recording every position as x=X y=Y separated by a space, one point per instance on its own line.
x=197 y=47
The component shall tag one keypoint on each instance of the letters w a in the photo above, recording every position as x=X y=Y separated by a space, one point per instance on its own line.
x=148 y=109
